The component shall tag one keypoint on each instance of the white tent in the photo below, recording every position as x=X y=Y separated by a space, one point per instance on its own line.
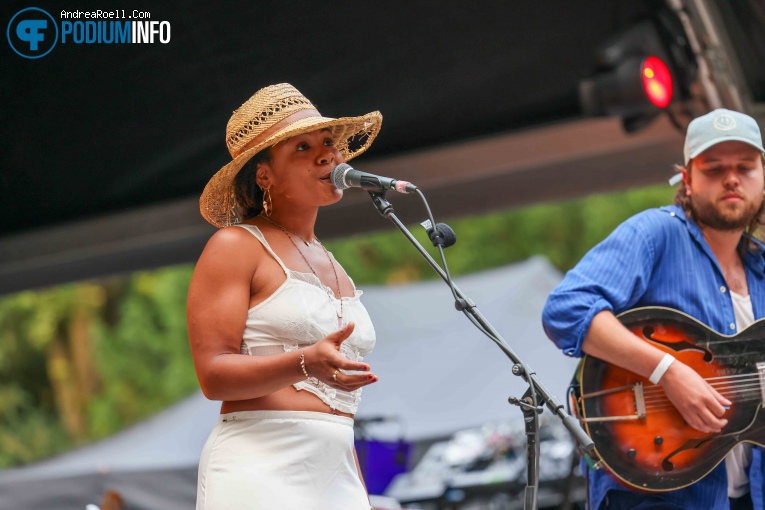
x=438 y=374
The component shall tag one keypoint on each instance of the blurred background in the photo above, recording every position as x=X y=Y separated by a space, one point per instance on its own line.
x=533 y=129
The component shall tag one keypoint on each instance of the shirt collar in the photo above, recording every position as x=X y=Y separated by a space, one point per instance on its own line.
x=754 y=258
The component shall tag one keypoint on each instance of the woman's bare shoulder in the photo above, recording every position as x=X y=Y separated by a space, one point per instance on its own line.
x=233 y=246
x=232 y=238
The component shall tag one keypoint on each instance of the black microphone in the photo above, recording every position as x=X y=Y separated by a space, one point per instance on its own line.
x=345 y=176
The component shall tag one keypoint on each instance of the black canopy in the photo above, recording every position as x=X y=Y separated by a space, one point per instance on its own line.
x=106 y=147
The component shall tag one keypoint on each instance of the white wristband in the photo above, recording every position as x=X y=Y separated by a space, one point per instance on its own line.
x=662 y=367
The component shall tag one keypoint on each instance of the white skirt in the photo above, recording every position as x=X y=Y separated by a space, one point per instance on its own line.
x=280 y=460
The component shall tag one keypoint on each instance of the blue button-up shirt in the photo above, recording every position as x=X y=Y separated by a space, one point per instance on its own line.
x=656 y=258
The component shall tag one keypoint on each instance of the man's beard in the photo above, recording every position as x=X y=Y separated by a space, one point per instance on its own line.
x=719 y=217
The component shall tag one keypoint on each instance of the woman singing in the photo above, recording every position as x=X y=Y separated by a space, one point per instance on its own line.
x=276 y=327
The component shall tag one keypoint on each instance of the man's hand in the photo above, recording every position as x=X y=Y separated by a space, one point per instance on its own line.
x=700 y=405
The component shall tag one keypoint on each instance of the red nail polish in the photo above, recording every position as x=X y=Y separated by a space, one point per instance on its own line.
x=371 y=377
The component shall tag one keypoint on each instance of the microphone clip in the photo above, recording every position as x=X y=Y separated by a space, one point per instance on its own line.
x=442 y=235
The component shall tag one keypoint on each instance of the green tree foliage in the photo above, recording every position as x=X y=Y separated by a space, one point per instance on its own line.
x=81 y=361
x=562 y=232
x=146 y=351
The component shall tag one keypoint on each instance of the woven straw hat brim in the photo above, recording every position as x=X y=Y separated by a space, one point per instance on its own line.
x=218 y=201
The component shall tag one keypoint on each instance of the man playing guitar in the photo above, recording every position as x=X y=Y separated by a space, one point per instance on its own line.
x=698 y=257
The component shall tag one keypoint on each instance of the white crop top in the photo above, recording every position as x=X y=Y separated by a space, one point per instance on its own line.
x=301 y=312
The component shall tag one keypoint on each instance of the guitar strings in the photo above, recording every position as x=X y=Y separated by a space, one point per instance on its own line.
x=720 y=387
x=670 y=406
x=736 y=397
x=718 y=379
x=715 y=382
x=737 y=388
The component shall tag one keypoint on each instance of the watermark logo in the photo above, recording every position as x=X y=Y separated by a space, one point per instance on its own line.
x=32 y=33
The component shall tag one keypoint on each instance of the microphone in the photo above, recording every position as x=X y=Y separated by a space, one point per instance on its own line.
x=345 y=176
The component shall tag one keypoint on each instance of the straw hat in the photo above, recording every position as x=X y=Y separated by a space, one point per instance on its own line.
x=271 y=115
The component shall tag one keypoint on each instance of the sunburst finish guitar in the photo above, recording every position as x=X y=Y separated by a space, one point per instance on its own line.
x=639 y=435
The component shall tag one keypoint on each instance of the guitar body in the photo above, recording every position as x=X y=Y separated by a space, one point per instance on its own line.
x=639 y=435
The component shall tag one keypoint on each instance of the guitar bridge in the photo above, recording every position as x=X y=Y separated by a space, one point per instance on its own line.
x=638 y=400
x=761 y=373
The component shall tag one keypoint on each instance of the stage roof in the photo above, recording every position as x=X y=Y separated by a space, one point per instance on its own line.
x=108 y=146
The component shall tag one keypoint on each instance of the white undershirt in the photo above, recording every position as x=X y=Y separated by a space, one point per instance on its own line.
x=740 y=456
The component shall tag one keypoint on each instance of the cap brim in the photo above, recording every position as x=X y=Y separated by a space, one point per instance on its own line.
x=712 y=143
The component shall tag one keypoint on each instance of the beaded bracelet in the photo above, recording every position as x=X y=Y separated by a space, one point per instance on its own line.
x=302 y=364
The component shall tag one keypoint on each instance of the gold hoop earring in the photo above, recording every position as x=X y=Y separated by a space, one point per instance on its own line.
x=268 y=205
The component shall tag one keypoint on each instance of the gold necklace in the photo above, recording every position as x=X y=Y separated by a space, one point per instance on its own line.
x=287 y=232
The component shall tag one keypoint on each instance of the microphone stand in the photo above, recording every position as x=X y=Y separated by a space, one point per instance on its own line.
x=529 y=402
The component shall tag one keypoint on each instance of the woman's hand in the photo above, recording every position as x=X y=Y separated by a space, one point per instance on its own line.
x=324 y=362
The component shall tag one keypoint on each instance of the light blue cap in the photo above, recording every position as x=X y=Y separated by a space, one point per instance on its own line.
x=719 y=126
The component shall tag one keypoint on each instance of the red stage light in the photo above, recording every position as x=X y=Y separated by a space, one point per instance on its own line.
x=657 y=82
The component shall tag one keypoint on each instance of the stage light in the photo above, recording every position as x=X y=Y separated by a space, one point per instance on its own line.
x=657 y=81
x=641 y=72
